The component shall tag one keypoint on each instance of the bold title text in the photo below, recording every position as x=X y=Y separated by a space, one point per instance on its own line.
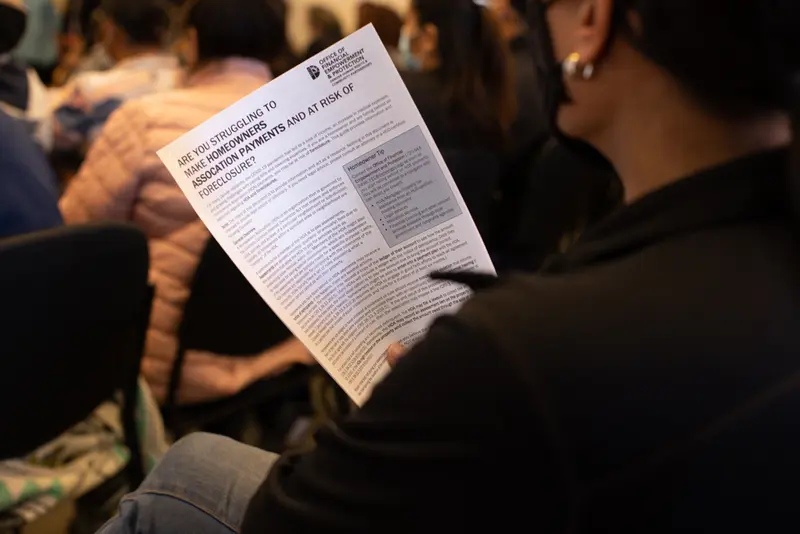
x=232 y=151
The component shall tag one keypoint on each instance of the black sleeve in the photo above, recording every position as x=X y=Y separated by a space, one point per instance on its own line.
x=436 y=444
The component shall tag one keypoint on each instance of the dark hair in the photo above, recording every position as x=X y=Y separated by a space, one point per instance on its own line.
x=737 y=58
x=387 y=22
x=12 y=28
x=145 y=22
x=326 y=21
x=520 y=6
x=252 y=29
x=475 y=65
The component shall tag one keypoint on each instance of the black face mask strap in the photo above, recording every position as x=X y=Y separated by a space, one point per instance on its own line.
x=547 y=65
x=553 y=89
x=794 y=111
x=781 y=62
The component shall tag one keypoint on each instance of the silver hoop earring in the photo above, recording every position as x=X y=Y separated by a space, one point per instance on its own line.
x=570 y=66
x=573 y=63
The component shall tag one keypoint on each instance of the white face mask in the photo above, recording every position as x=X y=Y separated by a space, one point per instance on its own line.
x=407 y=57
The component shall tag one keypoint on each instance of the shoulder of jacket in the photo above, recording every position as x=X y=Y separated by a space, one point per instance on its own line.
x=180 y=106
x=128 y=121
x=534 y=312
x=152 y=111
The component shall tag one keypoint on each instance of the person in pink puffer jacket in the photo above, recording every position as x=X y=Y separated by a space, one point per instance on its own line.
x=227 y=45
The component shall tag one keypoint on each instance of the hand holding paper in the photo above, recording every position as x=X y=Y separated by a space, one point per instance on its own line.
x=328 y=192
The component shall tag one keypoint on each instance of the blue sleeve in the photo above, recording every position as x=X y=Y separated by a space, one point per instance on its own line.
x=83 y=122
x=28 y=186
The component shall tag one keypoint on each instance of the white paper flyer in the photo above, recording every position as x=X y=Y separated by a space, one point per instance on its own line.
x=329 y=194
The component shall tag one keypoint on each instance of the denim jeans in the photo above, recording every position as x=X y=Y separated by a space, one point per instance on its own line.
x=203 y=485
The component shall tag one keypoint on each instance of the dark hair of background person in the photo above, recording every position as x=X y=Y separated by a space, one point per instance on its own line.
x=286 y=58
x=521 y=6
x=325 y=29
x=387 y=22
x=12 y=27
x=324 y=22
x=253 y=29
x=145 y=22
x=475 y=67
x=561 y=198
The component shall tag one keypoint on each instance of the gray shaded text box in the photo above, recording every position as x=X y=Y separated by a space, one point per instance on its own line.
x=403 y=186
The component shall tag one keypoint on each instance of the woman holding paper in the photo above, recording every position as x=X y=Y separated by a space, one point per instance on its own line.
x=227 y=46
x=647 y=381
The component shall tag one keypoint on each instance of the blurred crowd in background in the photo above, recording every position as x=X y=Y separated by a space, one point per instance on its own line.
x=67 y=66
x=91 y=89
x=644 y=380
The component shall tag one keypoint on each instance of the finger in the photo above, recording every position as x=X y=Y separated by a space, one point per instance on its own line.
x=395 y=352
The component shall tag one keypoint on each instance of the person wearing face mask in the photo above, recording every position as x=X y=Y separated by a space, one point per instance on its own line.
x=547 y=196
x=530 y=126
x=133 y=34
x=228 y=46
x=456 y=66
x=645 y=381
x=387 y=23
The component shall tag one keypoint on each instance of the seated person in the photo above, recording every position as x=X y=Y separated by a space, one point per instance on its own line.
x=133 y=34
x=645 y=382
x=325 y=29
x=286 y=59
x=82 y=50
x=228 y=47
x=22 y=93
x=386 y=22
x=459 y=74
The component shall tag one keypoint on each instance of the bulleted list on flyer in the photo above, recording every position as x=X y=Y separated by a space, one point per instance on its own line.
x=329 y=194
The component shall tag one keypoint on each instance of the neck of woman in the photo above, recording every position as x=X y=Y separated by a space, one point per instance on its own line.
x=653 y=150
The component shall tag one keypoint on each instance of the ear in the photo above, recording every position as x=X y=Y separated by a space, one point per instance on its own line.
x=595 y=21
x=430 y=38
x=192 y=41
x=107 y=29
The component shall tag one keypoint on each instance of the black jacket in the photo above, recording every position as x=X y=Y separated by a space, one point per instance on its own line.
x=646 y=382
x=531 y=128
x=560 y=197
x=14 y=86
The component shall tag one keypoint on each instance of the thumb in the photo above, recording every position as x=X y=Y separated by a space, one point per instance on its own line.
x=395 y=352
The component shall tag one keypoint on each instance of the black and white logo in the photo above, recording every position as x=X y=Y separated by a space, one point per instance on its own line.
x=313 y=70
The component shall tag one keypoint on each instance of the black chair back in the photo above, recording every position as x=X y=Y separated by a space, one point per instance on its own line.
x=73 y=315
x=224 y=315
